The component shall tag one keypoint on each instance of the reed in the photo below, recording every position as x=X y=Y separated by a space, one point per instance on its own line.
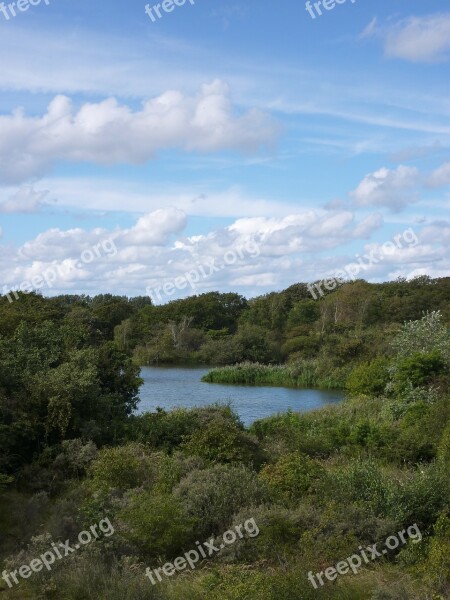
x=298 y=375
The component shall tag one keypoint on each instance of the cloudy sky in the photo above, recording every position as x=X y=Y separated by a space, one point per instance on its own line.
x=222 y=127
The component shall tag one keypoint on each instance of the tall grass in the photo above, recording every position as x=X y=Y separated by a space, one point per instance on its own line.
x=298 y=375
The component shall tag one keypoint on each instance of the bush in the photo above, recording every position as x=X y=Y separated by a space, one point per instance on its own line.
x=369 y=377
x=222 y=351
x=291 y=477
x=417 y=371
x=131 y=466
x=358 y=481
x=167 y=430
x=421 y=497
x=425 y=336
x=280 y=531
x=211 y=496
x=444 y=447
x=221 y=440
x=437 y=566
x=157 y=524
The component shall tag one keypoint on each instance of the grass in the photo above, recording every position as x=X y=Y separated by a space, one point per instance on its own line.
x=300 y=375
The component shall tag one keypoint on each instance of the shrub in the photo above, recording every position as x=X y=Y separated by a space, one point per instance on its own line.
x=417 y=371
x=157 y=524
x=437 y=566
x=213 y=495
x=75 y=457
x=280 y=531
x=369 y=377
x=444 y=447
x=291 y=477
x=359 y=481
x=131 y=466
x=427 y=335
x=223 y=441
x=167 y=430
x=421 y=497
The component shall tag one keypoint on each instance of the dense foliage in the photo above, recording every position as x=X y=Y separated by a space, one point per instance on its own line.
x=319 y=485
x=322 y=338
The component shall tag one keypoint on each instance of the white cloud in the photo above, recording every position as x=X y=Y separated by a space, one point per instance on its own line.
x=370 y=224
x=150 y=232
x=437 y=230
x=385 y=187
x=109 y=133
x=25 y=200
x=415 y=39
x=155 y=228
x=441 y=176
x=155 y=251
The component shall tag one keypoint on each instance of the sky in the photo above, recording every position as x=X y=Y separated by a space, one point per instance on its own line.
x=231 y=146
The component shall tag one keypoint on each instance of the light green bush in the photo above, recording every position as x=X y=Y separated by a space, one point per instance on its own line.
x=211 y=496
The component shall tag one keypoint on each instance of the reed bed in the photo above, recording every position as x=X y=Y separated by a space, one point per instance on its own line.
x=299 y=375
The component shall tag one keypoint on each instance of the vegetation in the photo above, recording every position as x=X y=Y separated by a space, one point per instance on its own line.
x=319 y=485
x=298 y=374
x=284 y=338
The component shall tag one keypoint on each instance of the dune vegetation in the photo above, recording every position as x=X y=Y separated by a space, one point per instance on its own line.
x=319 y=486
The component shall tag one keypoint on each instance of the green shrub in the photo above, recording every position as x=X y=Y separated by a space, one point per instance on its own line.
x=211 y=496
x=221 y=440
x=157 y=524
x=424 y=336
x=420 y=497
x=369 y=377
x=358 y=481
x=444 y=447
x=417 y=370
x=278 y=540
x=437 y=566
x=167 y=430
x=132 y=466
x=291 y=477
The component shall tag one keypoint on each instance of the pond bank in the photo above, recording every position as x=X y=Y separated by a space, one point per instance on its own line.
x=303 y=375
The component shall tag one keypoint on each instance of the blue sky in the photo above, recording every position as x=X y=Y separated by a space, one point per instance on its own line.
x=220 y=125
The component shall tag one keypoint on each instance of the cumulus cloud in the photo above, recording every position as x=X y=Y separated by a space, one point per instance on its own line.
x=150 y=231
x=108 y=133
x=271 y=252
x=368 y=225
x=155 y=228
x=386 y=187
x=437 y=230
x=25 y=200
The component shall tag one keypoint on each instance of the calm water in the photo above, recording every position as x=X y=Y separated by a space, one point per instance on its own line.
x=182 y=387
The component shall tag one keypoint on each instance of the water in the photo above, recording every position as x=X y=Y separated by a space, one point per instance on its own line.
x=171 y=388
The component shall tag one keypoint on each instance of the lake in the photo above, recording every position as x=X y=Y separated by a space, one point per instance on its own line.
x=173 y=387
